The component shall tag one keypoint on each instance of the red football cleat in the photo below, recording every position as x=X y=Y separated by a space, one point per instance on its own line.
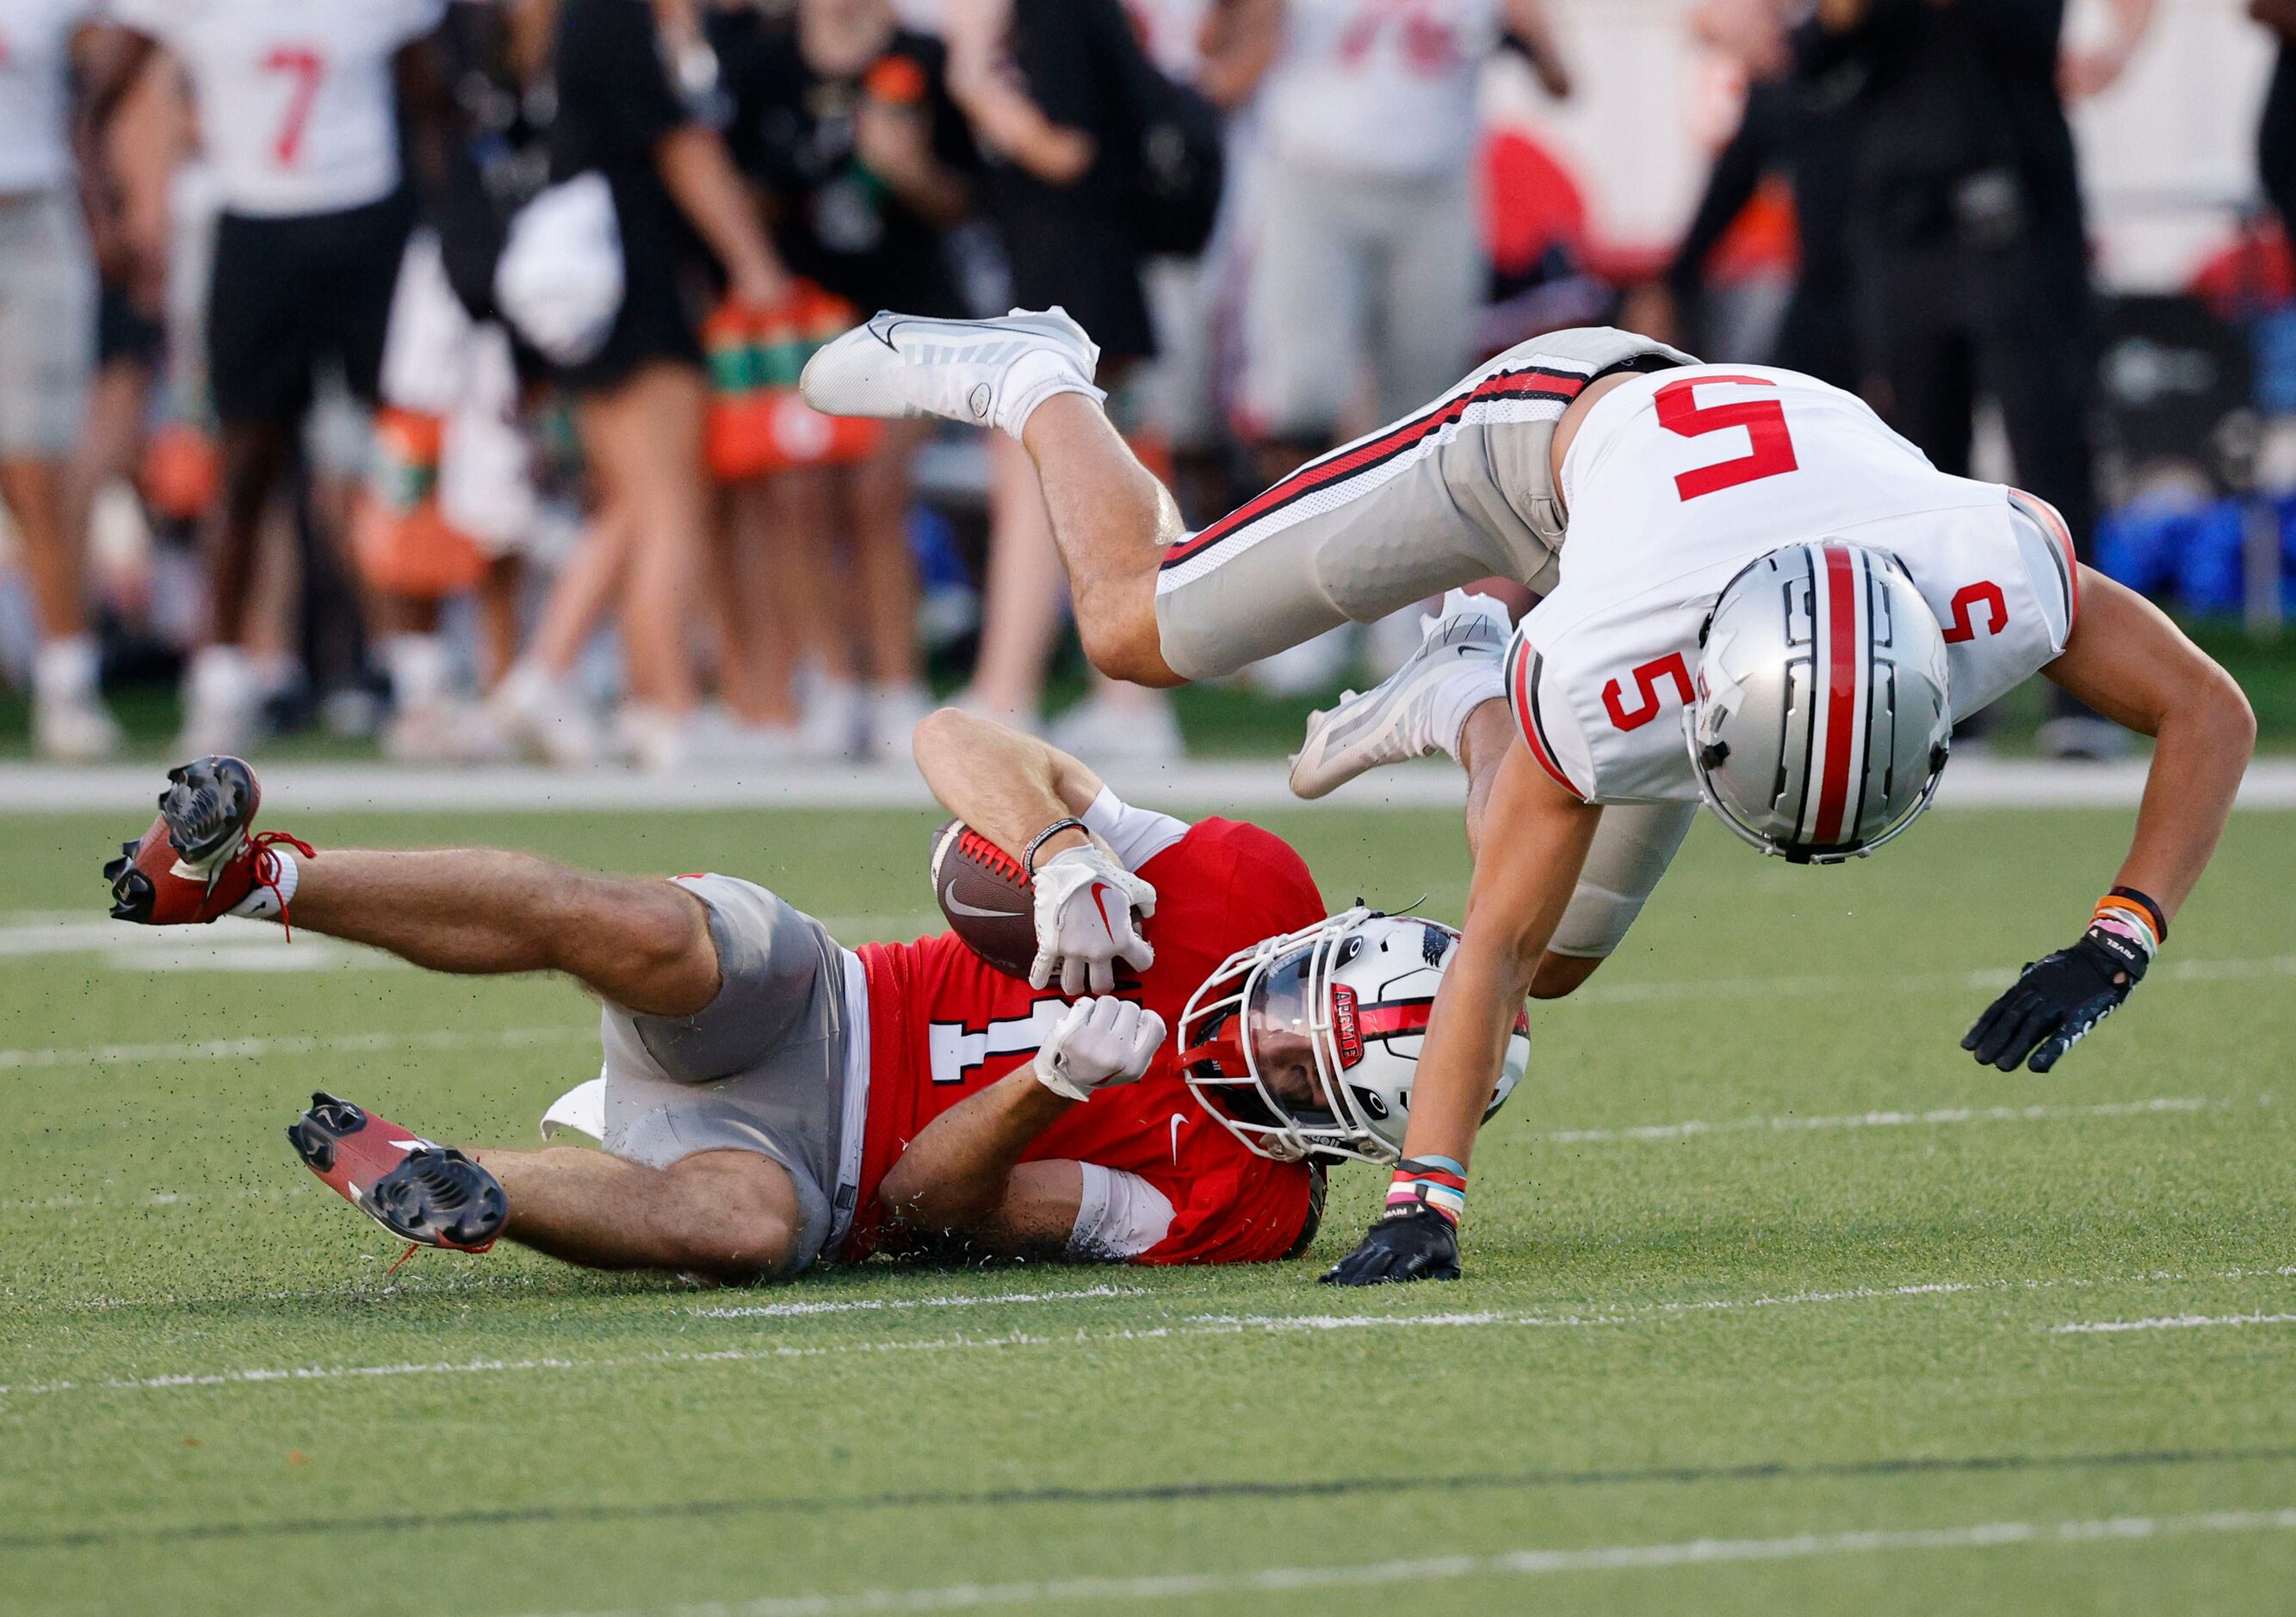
x=201 y=856
x=418 y=1190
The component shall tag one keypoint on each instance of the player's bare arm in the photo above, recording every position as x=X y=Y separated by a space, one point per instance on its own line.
x=961 y=1184
x=2129 y=662
x=1522 y=882
x=1026 y=798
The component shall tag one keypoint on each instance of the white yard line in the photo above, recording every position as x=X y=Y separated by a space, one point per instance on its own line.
x=1511 y=1563
x=786 y=1310
x=1596 y=1316
x=2175 y=1322
x=1939 y=1117
x=40 y=1058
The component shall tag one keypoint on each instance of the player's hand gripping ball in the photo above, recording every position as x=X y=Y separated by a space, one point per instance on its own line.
x=1088 y=914
x=1098 y=1045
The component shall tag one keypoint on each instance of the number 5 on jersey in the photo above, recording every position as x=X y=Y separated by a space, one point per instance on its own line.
x=1770 y=451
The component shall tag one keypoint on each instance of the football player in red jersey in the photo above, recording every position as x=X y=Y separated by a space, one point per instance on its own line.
x=769 y=1097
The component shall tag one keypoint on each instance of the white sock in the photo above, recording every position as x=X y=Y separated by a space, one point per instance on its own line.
x=1039 y=374
x=1472 y=684
x=65 y=670
x=418 y=668
x=268 y=903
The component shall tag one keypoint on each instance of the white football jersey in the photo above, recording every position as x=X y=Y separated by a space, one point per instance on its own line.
x=1676 y=481
x=296 y=101
x=1382 y=88
x=34 y=67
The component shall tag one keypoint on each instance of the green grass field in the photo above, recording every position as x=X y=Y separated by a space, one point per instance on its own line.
x=1765 y=1311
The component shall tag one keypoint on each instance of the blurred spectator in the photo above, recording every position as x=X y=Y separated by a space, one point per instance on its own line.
x=844 y=119
x=1804 y=129
x=632 y=84
x=2275 y=134
x=47 y=341
x=303 y=127
x=1364 y=247
x=1049 y=87
x=149 y=133
x=1366 y=255
x=1971 y=251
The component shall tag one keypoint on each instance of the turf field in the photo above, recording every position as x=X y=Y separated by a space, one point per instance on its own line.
x=1776 y=1301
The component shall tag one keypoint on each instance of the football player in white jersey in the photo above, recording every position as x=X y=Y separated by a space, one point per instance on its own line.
x=1756 y=595
x=299 y=108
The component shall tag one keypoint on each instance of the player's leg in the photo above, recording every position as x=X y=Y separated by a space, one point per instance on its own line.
x=1461 y=490
x=641 y=944
x=731 y=1215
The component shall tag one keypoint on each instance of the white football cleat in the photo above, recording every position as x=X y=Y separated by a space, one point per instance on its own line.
x=977 y=373
x=1417 y=710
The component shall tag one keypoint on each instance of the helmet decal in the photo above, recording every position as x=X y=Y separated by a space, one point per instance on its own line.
x=1343 y=1025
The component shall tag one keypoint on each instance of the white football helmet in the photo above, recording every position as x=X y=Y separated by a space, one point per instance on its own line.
x=1306 y=1044
x=1821 y=718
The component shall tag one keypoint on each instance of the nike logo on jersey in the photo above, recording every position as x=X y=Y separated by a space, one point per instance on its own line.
x=1179 y=1122
x=957 y=905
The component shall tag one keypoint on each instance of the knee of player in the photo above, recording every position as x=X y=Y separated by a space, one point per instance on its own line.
x=665 y=929
x=1125 y=645
x=736 y=1229
x=1558 y=976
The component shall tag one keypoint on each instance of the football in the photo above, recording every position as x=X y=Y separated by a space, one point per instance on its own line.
x=986 y=897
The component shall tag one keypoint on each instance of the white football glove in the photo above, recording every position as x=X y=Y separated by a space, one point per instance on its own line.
x=1098 y=1045
x=1085 y=901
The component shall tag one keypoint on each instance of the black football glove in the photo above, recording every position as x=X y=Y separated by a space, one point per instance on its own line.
x=1412 y=1243
x=2056 y=1001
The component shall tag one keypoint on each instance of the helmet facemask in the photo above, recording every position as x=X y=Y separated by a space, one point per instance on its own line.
x=1305 y=1046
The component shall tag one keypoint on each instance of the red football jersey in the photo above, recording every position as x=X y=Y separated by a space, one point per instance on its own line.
x=944 y=1024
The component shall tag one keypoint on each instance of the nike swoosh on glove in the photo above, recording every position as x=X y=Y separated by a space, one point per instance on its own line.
x=1085 y=924
x=1098 y=1045
x=2055 y=1002
x=1412 y=1243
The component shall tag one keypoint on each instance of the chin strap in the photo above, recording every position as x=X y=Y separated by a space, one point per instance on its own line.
x=1429 y=1181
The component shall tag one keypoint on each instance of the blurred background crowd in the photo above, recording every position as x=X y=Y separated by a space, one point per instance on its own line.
x=423 y=371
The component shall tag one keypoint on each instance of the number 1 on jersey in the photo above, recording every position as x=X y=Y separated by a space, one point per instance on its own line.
x=306 y=67
x=1770 y=452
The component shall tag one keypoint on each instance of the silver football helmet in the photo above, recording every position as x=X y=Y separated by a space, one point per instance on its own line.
x=1821 y=719
x=1306 y=1044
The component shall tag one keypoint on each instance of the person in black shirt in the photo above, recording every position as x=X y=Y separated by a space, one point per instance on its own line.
x=1047 y=86
x=1970 y=244
x=843 y=119
x=627 y=84
x=1805 y=132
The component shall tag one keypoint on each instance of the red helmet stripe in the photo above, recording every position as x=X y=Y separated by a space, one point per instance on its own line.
x=1387 y=1020
x=1843 y=666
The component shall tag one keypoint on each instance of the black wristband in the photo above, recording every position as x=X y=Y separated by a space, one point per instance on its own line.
x=2144 y=903
x=1028 y=854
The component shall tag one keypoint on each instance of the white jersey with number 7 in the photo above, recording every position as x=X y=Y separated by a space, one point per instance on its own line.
x=296 y=98
x=1676 y=481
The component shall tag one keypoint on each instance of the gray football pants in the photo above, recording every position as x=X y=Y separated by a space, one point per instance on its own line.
x=1461 y=490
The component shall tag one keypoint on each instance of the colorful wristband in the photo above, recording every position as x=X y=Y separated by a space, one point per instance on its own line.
x=1435 y=1182
x=2126 y=912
